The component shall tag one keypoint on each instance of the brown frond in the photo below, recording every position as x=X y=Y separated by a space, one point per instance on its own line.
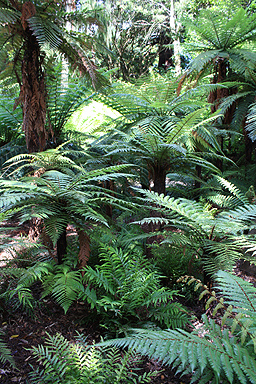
x=28 y=10
x=181 y=81
x=84 y=249
x=32 y=97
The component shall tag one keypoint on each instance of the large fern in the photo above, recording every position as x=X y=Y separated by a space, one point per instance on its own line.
x=210 y=234
x=64 y=285
x=5 y=352
x=212 y=353
x=128 y=288
x=219 y=37
x=159 y=135
x=73 y=195
x=65 y=362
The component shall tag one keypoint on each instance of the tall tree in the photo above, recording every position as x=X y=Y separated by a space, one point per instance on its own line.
x=27 y=31
x=219 y=39
x=159 y=130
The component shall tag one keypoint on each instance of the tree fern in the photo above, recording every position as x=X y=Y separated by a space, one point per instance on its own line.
x=211 y=353
x=61 y=197
x=160 y=134
x=210 y=234
x=220 y=37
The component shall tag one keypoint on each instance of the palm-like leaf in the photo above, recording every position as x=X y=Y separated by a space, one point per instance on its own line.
x=220 y=35
x=202 y=229
x=159 y=133
x=60 y=198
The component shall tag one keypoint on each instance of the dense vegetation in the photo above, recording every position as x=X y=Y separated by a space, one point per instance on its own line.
x=158 y=191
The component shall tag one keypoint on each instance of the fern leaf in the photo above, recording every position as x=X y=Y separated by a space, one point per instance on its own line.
x=65 y=286
x=5 y=353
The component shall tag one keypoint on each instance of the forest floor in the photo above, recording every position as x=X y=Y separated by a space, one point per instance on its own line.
x=23 y=331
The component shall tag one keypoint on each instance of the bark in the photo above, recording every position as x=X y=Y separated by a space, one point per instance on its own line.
x=32 y=92
x=159 y=179
x=249 y=146
x=62 y=246
x=35 y=228
x=84 y=249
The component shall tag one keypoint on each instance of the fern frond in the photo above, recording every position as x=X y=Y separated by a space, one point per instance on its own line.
x=64 y=362
x=8 y=15
x=5 y=352
x=95 y=276
x=65 y=286
x=126 y=284
x=233 y=189
x=238 y=293
x=200 y=353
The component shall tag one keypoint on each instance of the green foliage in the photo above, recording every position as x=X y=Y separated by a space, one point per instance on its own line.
x=5 y=353
x=63 y=100
x=67 y=362
x=17 y=285
x=64 y=284
x=132 y=34
x=159 y=135
x=175 y=261
x=206 y=233
x=128 y=288
x=10 y=121
x=212 y=353
x=48 y=25
x=66 y=193
x=219 y=36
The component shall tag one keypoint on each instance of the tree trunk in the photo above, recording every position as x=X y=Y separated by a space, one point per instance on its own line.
x=62 y=246
x=249 y=146
x=159 y=180
x=32 y=92
x=199 y=175
x=176 y=41
x=84 y=249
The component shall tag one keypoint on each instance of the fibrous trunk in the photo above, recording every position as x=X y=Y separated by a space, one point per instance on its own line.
x=84 y=249
x=159 y=180
x=32 y=92
x=62 y=246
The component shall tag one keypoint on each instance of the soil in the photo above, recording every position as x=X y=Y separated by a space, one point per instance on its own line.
x=22 y=332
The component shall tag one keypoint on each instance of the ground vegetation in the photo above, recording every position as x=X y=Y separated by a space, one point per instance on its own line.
x=128 y=246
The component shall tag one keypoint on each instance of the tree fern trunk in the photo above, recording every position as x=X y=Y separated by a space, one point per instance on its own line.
x=199 y=175
x=249 y=146
x=159 y=180
x=32 y=92
x=62 y=246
